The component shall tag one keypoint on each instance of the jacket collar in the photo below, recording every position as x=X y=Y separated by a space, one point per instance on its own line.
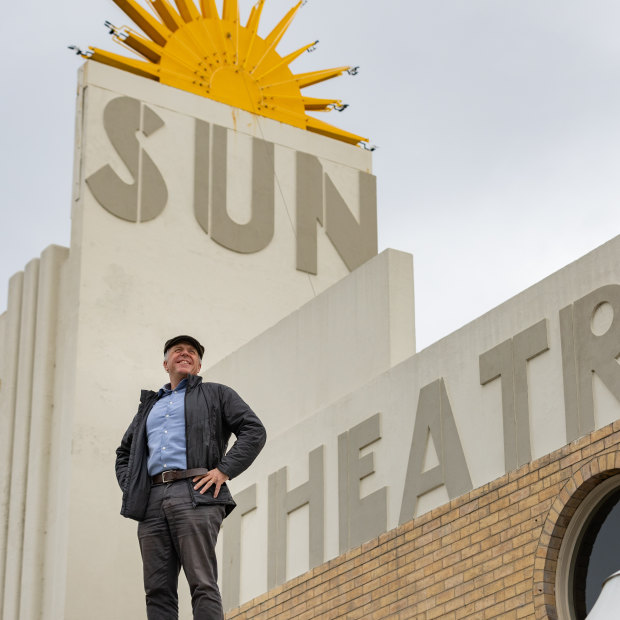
x=192 y=382
x=146 y=394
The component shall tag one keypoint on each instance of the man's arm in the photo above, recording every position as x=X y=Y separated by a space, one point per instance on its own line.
x=122 y=455
x=251 y=437
x=248 y=429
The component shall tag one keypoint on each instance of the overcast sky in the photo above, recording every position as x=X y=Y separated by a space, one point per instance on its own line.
x=497 y=124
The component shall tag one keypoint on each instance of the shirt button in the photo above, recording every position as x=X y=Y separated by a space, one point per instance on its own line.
x=164 y=448
x=165 y=431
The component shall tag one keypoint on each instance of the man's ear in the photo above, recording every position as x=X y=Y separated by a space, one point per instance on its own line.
x=166 y=365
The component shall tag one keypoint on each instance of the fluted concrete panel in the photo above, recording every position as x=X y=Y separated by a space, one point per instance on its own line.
x=21 y=434
x=40 y=444
x=56 y=540
x=8 y=378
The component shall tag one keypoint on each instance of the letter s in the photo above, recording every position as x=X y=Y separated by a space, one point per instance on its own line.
x=146 y=197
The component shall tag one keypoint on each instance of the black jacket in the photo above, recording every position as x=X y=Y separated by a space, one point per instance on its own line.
x=212 y=412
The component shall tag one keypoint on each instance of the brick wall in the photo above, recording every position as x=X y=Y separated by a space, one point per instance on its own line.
x=490 y=553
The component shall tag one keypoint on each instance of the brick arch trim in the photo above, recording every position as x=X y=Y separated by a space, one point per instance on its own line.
x=582 y=482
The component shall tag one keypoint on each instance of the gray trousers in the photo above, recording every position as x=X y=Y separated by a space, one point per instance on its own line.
x=176 y=534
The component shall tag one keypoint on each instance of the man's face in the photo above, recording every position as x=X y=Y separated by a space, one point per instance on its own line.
x=182 y=359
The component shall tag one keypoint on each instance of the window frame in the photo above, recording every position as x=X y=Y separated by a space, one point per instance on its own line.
x=571 y=543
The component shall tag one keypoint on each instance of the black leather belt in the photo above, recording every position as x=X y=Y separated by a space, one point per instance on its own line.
x=178 y=474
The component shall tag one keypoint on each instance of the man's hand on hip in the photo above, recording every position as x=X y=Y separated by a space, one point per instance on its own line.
x=215 y=476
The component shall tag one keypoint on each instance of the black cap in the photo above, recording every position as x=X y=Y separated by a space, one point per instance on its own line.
x=187 y=340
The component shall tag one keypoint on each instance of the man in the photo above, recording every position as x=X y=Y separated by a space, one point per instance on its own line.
x=172 y=467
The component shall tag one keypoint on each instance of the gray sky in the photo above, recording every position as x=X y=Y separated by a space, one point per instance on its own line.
x=497 y=122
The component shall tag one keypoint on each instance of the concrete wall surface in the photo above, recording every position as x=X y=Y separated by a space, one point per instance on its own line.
x=474 y=406
x=30 y=413
x=188 y=216
x=224 y=296
x=333 y=345
x=489 y=554
x=141 y=278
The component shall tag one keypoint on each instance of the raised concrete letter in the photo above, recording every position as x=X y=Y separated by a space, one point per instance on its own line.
x=584 y=353
x=360 y=519
x=508 y=360
x=145 y=198
x=258 y=232
x=434 y=417
x=281 y=504
x=202 y=169
x=231 y=550
x=355 y=242
x=309 y=210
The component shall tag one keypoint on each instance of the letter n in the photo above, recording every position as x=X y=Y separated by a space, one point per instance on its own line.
x=319 y=201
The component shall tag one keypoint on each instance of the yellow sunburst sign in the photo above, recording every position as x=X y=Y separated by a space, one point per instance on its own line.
x=197 y=50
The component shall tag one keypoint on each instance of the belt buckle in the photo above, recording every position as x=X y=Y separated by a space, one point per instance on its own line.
x=163 y=476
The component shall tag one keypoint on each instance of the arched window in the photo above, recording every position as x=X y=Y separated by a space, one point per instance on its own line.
x=590 y=551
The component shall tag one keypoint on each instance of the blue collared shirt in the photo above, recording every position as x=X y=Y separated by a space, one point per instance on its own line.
x=165 y=430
